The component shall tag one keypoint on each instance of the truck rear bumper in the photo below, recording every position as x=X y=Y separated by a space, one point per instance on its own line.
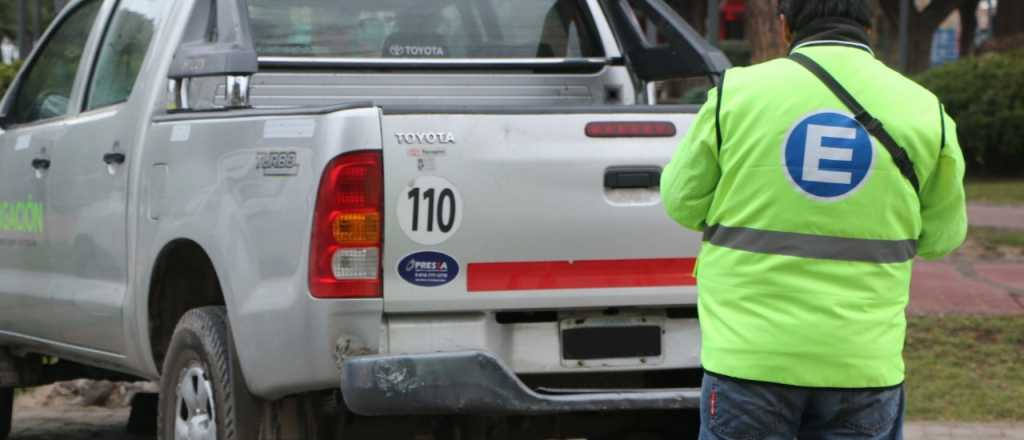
x=477 y=383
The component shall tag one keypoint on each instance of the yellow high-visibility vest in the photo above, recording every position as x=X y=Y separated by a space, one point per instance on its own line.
x=810 y=230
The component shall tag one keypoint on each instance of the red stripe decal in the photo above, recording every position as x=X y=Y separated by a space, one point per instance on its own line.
x=590 y=274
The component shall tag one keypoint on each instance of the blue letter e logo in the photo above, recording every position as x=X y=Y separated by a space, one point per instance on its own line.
x=827 y=155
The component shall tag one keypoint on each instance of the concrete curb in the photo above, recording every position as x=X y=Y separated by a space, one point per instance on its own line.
x=958 y=430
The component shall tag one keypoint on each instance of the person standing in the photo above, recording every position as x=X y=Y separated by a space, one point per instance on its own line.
x=816 y=180
x=8 y=51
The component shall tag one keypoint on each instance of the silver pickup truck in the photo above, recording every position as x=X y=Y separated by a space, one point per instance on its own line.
x=353 y=210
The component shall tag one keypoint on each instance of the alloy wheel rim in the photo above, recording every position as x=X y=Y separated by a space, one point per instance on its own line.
x=195 y=412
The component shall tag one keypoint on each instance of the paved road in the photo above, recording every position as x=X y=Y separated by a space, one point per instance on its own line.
x=108 y=424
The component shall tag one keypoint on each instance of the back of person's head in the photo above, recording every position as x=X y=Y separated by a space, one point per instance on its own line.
x=801 y=13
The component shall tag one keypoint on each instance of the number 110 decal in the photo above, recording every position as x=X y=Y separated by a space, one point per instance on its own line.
x=429 y=210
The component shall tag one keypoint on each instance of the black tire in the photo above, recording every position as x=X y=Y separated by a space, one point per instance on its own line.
x=201 y=357
x=6 y=411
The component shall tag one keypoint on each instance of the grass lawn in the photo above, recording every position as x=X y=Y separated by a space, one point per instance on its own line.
x=999 y=192
x=965 y=368
x=992 y=238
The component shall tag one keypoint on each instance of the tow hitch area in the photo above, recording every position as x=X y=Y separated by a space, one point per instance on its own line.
x=477 y=383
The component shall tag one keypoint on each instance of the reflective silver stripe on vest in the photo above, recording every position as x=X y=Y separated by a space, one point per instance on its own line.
x=811 y=246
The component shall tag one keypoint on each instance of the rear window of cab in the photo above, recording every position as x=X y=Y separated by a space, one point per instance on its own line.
x=438 y=29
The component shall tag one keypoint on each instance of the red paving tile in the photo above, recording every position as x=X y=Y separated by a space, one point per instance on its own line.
x=995 y=216
x=937 y=287
x=1008 y=274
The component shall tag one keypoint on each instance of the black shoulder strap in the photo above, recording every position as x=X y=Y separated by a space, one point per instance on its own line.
x=942 y=121
x=718 y=111
x=872 y=125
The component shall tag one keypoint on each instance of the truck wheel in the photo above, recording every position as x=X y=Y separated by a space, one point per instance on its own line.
x=6 y=411
x=203 y=395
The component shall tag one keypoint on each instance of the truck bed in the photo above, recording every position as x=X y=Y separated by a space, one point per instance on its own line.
x=536 y=224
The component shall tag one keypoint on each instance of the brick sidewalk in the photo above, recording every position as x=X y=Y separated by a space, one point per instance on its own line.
x=1011 y=217
x=964 y=287
x=972 y=286
x=964 y=431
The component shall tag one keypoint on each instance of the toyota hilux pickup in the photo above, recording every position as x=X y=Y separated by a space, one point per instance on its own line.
x=444 y=212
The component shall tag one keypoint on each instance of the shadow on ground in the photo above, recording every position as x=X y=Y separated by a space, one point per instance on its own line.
x=72 y=424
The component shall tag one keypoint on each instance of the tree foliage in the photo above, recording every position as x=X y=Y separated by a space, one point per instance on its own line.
x=9 y=16
x=1009 y=18
x=764 y=29
x=988 y=118
x=922 y=25
x=7 y=74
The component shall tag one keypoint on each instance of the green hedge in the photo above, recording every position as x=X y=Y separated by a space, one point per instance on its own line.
x=7 y=73
x=985 y=95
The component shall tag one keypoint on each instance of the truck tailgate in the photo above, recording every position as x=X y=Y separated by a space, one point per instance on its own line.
x=506 y=210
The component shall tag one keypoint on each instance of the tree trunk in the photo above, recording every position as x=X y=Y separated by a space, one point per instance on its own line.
x=922 y=27
x=968 y=26
x=695 y=12
x=37 y=19
x=764 y=30
x=919 y=56
x=885 y=35
x=1009 y=18
x=24 y=41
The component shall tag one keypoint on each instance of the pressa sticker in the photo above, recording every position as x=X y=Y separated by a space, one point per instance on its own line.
x=428 y=269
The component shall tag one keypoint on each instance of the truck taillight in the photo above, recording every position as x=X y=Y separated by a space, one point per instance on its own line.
x=345 y=249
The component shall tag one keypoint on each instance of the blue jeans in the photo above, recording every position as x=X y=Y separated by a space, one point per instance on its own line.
x=741 y=410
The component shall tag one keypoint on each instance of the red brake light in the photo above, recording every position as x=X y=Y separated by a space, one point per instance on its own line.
x=345 y=248
x=631 y=129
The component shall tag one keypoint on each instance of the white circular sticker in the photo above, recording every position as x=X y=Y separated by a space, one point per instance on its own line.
x=429 y=210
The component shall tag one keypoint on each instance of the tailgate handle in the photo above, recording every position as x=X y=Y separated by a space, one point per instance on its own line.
x=632 y=177
x=41 y=163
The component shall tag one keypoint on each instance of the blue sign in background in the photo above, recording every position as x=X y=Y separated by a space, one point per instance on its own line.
x=856 y=168
x=945 y=46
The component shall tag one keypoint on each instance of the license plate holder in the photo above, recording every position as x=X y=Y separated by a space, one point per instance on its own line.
x=611 y=341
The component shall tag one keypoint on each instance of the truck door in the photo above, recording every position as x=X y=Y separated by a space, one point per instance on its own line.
x=90 y=253
x=35 y=117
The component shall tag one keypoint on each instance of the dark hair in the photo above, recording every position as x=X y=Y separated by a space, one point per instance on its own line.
x=800 y=13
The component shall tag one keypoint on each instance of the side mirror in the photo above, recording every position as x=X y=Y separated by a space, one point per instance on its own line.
x=217 y=43
x=4 y=121
x=683 y=54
